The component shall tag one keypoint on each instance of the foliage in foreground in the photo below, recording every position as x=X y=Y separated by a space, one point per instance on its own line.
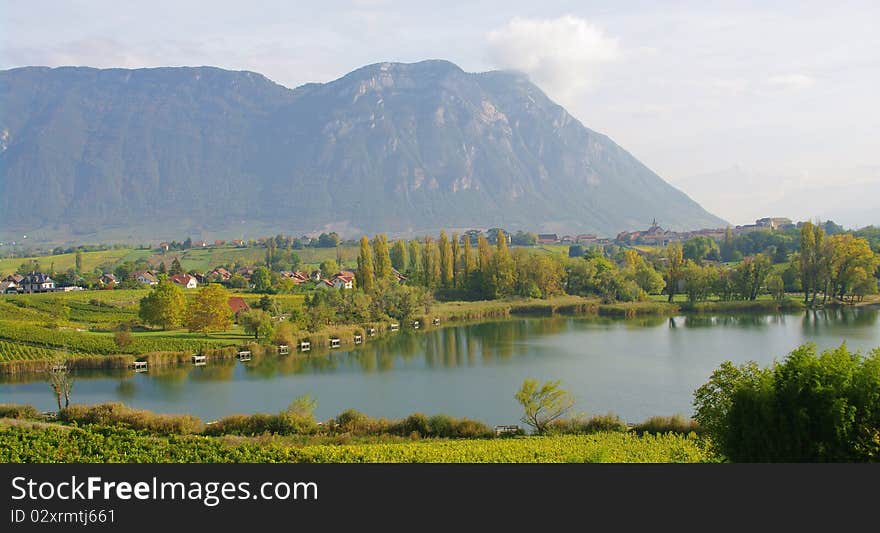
x=807 y=408
x=35 y=443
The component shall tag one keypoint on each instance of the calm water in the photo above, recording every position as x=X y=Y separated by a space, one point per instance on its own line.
x=635 y=368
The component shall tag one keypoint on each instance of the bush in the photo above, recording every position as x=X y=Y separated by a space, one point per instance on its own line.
x=807 y=408
x=584 y=426
x=12 y=410
x=667 y=424
x=260 y=423
x=117 y=414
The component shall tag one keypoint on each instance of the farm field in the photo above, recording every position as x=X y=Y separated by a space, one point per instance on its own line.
x=202 y=259
x=74 y=324
x=50 y=443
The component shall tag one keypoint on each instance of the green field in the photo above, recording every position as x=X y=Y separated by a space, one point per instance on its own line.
x=32 y=327
x=202 y=259
x=35 y=442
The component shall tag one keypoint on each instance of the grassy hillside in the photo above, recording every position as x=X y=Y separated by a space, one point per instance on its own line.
x=194 y=259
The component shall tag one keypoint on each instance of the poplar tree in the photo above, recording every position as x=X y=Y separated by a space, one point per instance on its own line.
x=399 y=256
x=456 y=260
x=365 y=277
x=381 y=258
x=446 y=260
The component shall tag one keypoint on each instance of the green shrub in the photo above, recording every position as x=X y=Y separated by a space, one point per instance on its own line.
x=667 y=424
x=12 y=410
x=117 y=414
x=579 y=425
x=807 y=408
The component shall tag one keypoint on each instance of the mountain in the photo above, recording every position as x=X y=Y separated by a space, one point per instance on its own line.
x=400 y=148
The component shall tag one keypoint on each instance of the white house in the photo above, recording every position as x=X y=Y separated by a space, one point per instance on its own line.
x=37 y=282
x=343 y=280
x=185 y=280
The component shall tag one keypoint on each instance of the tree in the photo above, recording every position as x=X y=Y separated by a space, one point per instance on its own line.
x=468 y=264
x=699 y=248
x=283 y=333
x=807 y=408
x=501 y=272
x=79 y=262
x=122 y=336
x=61 y=381
x=852 y=260
x=810 y=261
x=430 y=263
x=456 y=260
x=749 y=276
x=162 y=268
x=258 y=323
x=175 y=267
x=365 y=278
x=698 y=280
x=446 y=260
x=261 y=279
x=675 y=256
x=775 y=286
x=329 y=267
x=165 y=306
x=382 y=258
x=641 y=272
x=400 y=256
x=210 y=311
x=543 y=404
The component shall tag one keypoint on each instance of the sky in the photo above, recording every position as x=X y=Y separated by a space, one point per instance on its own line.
x=752 y=108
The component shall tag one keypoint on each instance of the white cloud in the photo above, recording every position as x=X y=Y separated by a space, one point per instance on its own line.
x=561 y=55
x=792 y=81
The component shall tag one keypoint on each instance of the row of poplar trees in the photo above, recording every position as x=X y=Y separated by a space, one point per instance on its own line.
x=441 y=263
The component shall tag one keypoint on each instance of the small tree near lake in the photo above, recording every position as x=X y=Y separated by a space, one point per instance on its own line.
x=542 y=404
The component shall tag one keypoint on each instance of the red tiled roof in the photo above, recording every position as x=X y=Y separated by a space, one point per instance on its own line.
x=237 y=304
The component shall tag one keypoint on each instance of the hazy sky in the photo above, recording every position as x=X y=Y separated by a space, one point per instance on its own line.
x=747 y=106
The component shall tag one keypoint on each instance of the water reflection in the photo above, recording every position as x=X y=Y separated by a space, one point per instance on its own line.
x=616 y=362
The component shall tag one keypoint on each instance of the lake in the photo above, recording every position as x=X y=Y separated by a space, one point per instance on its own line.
x=633 y=367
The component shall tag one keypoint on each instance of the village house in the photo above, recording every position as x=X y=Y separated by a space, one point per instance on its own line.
x=8 y=286
x=238 y=243
x=36 y=282
x=200 y=244
x=108 y=280
x=343 y=280
x=547 y=238
x=585 y=238
x=219 y=273
x=184 y=280
x=145 y=277
x=237 y=305
x=245 y=271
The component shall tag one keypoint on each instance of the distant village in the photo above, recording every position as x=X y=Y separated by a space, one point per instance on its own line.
x=655 y=235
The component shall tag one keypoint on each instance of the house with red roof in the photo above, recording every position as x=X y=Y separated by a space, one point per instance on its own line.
x=184 y=280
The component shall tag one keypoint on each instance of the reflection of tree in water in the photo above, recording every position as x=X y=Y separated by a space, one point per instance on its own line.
x=126 y=388
x=729 y=320
x=217 y=370
x=816 y=321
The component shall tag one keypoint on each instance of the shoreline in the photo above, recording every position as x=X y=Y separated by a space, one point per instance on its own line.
x=448 y=313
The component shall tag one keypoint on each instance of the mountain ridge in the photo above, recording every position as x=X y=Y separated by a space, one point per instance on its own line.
x=394 y=147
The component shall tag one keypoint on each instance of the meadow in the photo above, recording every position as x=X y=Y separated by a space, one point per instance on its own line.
x=199 y=259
